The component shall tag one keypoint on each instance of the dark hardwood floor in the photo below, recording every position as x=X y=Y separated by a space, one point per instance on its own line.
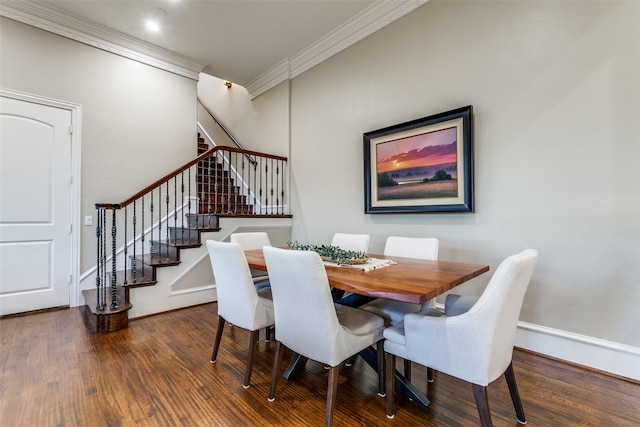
x=157 y=373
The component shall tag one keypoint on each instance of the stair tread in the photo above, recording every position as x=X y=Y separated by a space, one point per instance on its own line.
x=198 y=227
x=179 y=243
x=157 y=260
x=132 y=280
x=90 y=298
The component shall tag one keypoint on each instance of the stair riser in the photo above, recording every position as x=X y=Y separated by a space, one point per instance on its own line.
x=209 y=221
x=223 y=190
x=166 y=250
x=211 y=181
x=212 y=169
x=141 y=269
x=211 y=199
x=189 y=234
x=224 y=209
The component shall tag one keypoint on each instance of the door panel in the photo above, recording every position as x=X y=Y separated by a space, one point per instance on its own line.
x=35 y=206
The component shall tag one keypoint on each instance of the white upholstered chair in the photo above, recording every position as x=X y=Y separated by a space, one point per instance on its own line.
x=351 y=242
x=475 y=346
x=311 y=324
x=409 y=247
x=239 y=302
x=394 y=311
x=249 y=241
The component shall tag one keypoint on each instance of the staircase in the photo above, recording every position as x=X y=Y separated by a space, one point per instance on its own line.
x=216 y=189
x=141 y=251
x=163 y=254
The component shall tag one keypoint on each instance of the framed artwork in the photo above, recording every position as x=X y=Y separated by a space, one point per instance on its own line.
x=425 y=165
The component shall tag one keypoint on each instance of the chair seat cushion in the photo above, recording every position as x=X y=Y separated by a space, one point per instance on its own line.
x=356 y=321
x=455 y=305
x=395 y=333
x=262 y=282
x=265 y=297
x=392 y=311
x=395 y=340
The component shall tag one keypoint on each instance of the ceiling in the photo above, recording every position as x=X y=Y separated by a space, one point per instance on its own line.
x=254 y=43
x=237 y=40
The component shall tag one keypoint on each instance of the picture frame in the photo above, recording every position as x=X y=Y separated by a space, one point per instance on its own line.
x=421 y=166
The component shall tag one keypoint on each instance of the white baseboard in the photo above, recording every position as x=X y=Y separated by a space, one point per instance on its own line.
x=607 y=356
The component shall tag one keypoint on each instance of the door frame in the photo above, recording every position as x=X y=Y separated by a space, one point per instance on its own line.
x=76 y=122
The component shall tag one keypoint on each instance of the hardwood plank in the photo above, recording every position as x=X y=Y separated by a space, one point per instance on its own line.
x=53 y=372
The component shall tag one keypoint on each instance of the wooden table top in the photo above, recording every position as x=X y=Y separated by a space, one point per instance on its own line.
x=409 y=280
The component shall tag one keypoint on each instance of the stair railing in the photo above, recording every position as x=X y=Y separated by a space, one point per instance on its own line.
x=147 y=229
x=215 y=119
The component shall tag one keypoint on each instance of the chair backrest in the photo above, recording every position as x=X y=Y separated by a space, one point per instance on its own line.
x=498 y=308
x=237 y=295
x=251 y=241
x=305 y=314
x=412 y=247
x=351 y=242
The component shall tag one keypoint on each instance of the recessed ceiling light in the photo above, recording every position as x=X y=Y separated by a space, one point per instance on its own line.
x=152 y=26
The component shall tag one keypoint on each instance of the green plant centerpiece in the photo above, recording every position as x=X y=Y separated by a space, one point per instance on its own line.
x=333 y=253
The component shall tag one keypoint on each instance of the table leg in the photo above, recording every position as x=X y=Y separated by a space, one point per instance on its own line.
x=295 y=366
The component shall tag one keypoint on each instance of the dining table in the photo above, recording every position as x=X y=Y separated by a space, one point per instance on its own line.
x=409 y=280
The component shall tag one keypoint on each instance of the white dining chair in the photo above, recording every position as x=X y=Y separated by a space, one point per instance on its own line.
x=249 y=241
x=407 y=247
x=239 y=302
x=475 y=346
x=351 y=242
x=311 y=324
x=394 y=311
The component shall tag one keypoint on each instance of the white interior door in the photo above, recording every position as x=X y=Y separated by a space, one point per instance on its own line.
x=35 y=206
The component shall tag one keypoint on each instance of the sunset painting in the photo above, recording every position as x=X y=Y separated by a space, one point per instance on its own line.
x=419 y=166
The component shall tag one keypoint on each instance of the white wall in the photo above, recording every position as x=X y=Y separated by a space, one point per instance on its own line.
x=259 y=125
x=138 y=122
x=556 y=95
x=557 y=152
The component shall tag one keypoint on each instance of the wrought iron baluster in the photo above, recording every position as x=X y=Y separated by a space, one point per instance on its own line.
x=190 y=205
x=256 y=201
x=244 y=194
x=175 y=207
x=209 y=193
x=266 y=180
x=249 y=189
x=151 y=209
x=126 y=247
x=114 y=303
x=277 y=186
x=182 y=204
x=237 y=196
x=100 y=261
x=135 y=239
x=260 y=192
x=216 y=185
x=159 y=241
x=142 y=239
x=103 y=289
x=167 y=222
x=229 y=183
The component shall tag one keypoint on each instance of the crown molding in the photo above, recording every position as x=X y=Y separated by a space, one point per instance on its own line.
x=48 y=18
x=357 y=28
x=270 y=78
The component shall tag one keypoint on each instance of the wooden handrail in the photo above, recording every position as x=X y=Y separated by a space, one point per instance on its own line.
x=181 y=169
x=224 y=129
